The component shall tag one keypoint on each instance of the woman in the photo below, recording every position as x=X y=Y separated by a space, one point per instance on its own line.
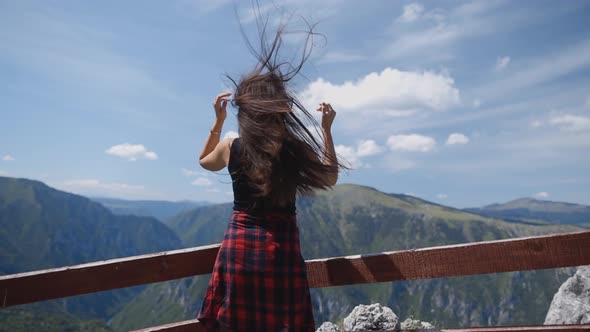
x=259 y=282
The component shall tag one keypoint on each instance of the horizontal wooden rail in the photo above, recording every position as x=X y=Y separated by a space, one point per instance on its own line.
x=194 y=326
x=520 y=254
x=105 y=275
x=531 y=328
x=531 y=253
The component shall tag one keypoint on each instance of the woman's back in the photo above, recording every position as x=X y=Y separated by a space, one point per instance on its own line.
x=245 y=195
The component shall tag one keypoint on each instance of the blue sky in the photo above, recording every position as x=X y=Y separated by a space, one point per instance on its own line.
x=461 y=103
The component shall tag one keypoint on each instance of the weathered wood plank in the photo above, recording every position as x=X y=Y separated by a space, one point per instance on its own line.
x=529 y=328
x=194 y=326
x=530 y=253
x=541 y=252
x=105 y=275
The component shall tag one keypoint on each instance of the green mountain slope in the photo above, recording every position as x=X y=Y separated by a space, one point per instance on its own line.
x=212 y=220
x=538 y=211
x=161 y=210
x=353 y=219
x=41 y=227
x=47 y=319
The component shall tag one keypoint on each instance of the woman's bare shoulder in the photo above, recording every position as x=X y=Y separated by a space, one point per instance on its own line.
x=228 y=150
x=230 y=142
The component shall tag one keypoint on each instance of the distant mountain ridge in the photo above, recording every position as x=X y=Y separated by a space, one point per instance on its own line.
x=161 y=210
x=41 y=227
x=535 y=210
x=353 y=219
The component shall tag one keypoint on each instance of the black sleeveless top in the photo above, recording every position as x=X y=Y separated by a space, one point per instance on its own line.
x=244 y=199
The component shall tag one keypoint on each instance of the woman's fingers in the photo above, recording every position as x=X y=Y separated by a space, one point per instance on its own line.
x=220 y=105
x=221 y=97
x=330 y=109
x=328 y=114
x=326 y=108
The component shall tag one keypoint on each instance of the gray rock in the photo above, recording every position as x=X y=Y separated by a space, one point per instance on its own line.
x=329 y=327
x=571 y=303
x=371 y=317
x=414 y=324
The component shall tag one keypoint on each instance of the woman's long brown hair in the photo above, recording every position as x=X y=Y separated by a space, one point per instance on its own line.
x=278 y=154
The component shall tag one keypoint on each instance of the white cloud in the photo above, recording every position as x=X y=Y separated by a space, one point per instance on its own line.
x=98 y=183
x=550 y=145
x=536 y=124
x=476 y=103
x=364 y=148
x=200 y=6
x=442 y=196
x=542 y=194
x=413 y=42
x=457 y=138
x=77 y=56
x=543 y=69
x=97 y=187
x=341 y=57
x=502 y=62
x=212 y=190
x=368 y=148
x=468 y=9
x=8 y=158
x=391 y=90
x=231 y=134
x=399 y=114
x=131 y=152
x=396 y=164
x=188 y=172
x=447 y=27
x=571 y=122
x=438 y=36
x=317 y=10
x=349 y=154
x=411 y=12
x=251 y=14
x=416 y=11
x=411 y=143
x=202 y=182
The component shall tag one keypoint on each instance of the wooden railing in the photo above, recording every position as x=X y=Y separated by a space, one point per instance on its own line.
x=520 y=254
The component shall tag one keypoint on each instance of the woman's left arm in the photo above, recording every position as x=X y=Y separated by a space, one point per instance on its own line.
x=215 y=154
x=328 y=115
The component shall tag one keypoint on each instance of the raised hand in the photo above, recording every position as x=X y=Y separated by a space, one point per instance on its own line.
x=220 y=105
x=328 y=115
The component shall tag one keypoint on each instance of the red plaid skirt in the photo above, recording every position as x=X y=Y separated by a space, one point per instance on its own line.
x=259 y=282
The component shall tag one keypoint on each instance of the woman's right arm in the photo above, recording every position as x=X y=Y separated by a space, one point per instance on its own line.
x=215 y=154
x=328 y=115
